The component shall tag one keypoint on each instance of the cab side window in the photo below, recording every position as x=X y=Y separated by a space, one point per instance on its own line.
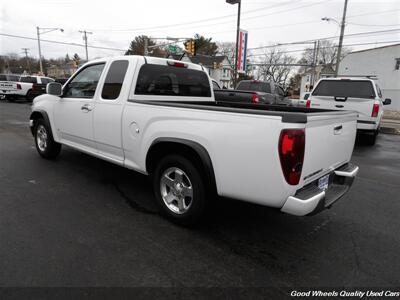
x=115 y=78
x=84 y=84
x=379 y=91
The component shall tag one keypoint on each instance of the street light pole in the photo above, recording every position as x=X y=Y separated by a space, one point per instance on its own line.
x=237 y=36
x=342 y=27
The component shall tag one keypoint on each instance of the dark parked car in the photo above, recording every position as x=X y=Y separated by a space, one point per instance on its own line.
x=254 y=91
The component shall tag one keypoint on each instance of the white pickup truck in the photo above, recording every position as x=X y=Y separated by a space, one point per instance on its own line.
x=12 y=90
x=159 y=117
x=359 y=94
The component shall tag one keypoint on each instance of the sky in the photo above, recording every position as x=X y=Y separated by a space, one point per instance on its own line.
x=115 y=23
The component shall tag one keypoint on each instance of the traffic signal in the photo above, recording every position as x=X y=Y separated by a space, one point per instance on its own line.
x=190 y=47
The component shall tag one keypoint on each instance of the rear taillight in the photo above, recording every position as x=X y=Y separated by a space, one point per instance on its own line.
x=308 y=103
x=255 y=99
x=375 y=110
x=291 y=154
x=18 y=86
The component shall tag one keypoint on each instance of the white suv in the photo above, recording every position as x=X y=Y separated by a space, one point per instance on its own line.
x=362 y=95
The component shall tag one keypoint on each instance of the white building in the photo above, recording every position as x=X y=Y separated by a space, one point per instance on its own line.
x=383 y=62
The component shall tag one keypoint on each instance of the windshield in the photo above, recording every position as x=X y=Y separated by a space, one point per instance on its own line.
x=254 y=86
x=345 y=88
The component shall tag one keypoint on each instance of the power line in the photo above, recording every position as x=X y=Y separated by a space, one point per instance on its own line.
x=333 y=46
x=374 y=13
x=329 y=38
x=373 y=25
x=61 y=43
x=166 y=27
x=198 y=21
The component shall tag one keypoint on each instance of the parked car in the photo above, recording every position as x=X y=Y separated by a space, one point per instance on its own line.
x=235 y=96
x=303 y=101
x=4 y=78
x=159 y=117
x=24 y=87
x=362 y=95
x=254 y=91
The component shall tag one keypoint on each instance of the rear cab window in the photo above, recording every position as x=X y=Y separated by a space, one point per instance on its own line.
x=163 y=80
x=345 y=88
x=254 y=86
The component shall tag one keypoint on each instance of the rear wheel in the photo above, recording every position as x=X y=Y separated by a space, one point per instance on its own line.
x=45 y=144
x=371 y=138
x=180 y=190
x=30 y=96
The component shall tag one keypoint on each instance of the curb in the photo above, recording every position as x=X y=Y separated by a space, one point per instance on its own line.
x=390 y=130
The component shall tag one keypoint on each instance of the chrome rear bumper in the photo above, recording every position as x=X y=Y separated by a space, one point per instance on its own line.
x=310 y=199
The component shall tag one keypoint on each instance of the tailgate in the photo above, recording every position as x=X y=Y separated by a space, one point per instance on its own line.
x=361 y=105
x=329 y=144
x=8 y=86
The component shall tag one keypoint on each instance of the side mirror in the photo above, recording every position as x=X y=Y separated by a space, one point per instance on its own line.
x=387 y=101
x=54 y=88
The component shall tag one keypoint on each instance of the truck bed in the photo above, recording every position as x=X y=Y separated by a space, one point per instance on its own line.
x=289 y=114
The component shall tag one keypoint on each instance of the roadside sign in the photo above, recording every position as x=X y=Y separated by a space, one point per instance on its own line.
x=172 y=48
x=242 y=51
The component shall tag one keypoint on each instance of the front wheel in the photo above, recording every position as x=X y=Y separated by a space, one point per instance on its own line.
x=45 y=144
x=180 y=190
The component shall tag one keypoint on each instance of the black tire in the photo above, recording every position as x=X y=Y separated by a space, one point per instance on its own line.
x=196 y=205
x=42 y=133
x=371 y=138
x=10 y=98
x=30 y=96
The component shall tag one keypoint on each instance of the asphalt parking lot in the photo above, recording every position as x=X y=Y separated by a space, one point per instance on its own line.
x=79 y=221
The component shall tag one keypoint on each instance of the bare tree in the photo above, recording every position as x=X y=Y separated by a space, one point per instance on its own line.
x=228 y=49
x=275 y=65
x=326 y=54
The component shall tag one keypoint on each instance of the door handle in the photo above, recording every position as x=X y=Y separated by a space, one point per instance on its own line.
x=337 y=130
x=86 y=108
x=339 y=106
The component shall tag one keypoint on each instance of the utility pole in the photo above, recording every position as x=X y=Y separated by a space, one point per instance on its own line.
x=146 y=46
x=314 y=71
x=27 y=59
x=40 y=51
x=342 y=27
x=85 y=33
